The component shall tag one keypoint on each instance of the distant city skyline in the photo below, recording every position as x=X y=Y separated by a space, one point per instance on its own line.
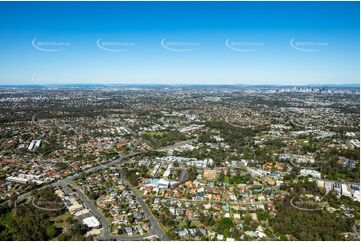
x=223 y=43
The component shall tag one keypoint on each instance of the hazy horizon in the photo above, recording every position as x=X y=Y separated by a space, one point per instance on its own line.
x=183 y=84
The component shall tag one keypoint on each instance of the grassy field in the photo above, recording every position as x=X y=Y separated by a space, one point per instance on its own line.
x=60 y=221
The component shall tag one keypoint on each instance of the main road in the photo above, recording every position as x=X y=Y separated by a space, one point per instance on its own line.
x=106 y=234
x=69 y=179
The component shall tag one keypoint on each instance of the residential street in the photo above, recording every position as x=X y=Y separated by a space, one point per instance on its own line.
x=154 y=221
x=89 y=204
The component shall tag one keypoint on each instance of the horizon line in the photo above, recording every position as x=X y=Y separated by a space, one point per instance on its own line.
x=179 y=84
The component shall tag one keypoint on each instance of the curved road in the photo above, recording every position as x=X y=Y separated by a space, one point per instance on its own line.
x=304 y=209
x=244 y=127
x=46 y=209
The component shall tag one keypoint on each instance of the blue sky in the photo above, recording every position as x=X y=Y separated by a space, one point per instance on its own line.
x=179 y=42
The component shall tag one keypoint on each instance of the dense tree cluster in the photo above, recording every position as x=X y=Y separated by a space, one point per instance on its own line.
x=46 y=198
x=134 y=175
x=334 y=170
x=160 y=139
x=233 y=136
x=26 y=223
x=309 y=225
x=224 y=226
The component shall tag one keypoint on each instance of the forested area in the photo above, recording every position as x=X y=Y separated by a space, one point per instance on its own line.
x=309 y=225
x=25 y=222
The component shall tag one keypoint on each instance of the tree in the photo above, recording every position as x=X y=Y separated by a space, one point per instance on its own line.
x=305 y=225
x=207 y=220
x=224 y=226
x=52 y=231
x=27 y=224
x=221 y=177
x=192 y=174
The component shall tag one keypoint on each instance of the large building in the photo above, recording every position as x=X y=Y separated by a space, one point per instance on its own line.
x=91 y=222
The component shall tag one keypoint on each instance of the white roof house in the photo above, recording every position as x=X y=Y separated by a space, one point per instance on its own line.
x=91 y=222
x=356 y=195
x=345 y=190
x=313 y=173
